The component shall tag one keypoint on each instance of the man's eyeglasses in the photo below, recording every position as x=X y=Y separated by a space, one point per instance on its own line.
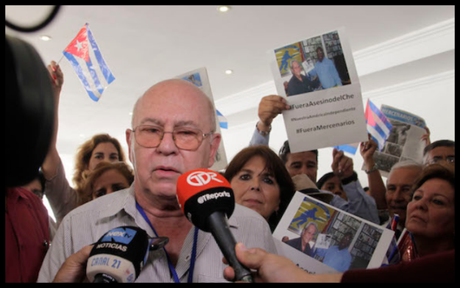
x=448 y=159
x=149 y=136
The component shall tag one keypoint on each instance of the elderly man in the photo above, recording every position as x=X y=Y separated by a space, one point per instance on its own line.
x=399 y=193
x=173 y=132
x=309 y=232
x=299 y=83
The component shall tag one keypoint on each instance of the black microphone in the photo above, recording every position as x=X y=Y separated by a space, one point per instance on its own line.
x=207 y=200
x=118 y=256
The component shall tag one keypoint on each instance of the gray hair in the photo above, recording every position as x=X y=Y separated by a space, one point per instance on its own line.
x=409 y=164
x=292 y=61
x=309 y=224
x=406 y=164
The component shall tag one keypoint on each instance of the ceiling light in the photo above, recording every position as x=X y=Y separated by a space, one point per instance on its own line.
x=224 y=9
x=229 y=71
x=45 y=38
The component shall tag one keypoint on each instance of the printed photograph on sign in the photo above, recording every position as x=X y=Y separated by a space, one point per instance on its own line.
x=404 y=141
x=312 y=64
x=318 y=78
x=331 y=236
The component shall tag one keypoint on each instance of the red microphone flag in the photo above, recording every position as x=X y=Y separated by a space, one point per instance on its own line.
x=201 y=192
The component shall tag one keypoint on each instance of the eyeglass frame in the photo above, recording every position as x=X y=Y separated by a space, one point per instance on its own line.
x=204 y=135
x=448 y=159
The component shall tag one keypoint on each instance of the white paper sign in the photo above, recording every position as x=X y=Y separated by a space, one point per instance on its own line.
x=319 y=80
x=341 y=240
x=199 y=78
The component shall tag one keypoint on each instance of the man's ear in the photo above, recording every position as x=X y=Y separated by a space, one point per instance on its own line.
x=129 y=134
x=215 y=142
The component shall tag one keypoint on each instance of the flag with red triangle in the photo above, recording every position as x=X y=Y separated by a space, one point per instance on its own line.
x=86 y=59
x=378 y=124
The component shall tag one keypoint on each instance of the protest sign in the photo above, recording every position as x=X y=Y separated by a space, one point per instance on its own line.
x=405 y=139
x=319 y=80
x=338 y=240
x=199 y=78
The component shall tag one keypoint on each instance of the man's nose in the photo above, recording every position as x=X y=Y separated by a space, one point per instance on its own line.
x=167 y=145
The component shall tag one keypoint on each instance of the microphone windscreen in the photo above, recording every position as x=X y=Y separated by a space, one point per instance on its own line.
x=120 y=253
x=202 y=192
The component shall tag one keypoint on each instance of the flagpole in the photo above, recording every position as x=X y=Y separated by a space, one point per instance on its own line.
x=60 y=59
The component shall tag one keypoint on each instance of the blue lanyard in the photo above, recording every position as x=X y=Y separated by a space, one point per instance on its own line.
x=171 y=266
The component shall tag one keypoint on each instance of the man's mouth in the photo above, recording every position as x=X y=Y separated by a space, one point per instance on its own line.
x=166 y=169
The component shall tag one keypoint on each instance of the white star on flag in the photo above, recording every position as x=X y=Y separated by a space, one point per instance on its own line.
x=78 y=46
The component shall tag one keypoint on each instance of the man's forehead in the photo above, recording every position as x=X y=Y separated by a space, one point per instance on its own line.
x=442 y=151
x=174 y=98
x=302 y=157
x=405 y=174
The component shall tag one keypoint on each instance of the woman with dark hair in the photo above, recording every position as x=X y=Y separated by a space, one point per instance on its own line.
x=330 y=182
x=261 y=182
x=107 y=178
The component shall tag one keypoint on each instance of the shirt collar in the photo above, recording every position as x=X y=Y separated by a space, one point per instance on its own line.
x=19 y=192
x=127 y=202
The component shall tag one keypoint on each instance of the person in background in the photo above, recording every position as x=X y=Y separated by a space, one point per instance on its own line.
x=260 y=182
x=37 y=186
x=330 y=182
x=376 y=189
x=441 y=150
x=393 y=199
x=431 y=213
x=359 y=203
x=27 y=236
x=102 y=147
x=107 y=178
x=399 y=190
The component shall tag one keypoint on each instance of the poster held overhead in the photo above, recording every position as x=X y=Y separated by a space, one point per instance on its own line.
x=319 y=80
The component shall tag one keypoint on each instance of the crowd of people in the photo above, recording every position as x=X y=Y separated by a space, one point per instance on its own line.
x=167 y=139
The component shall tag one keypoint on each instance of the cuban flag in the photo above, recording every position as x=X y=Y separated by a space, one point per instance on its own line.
x=87 y=61
x=222 y=120
x=378 y=124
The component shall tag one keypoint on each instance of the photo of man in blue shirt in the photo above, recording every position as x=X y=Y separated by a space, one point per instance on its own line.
x=338 y=257
x=325 y=70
